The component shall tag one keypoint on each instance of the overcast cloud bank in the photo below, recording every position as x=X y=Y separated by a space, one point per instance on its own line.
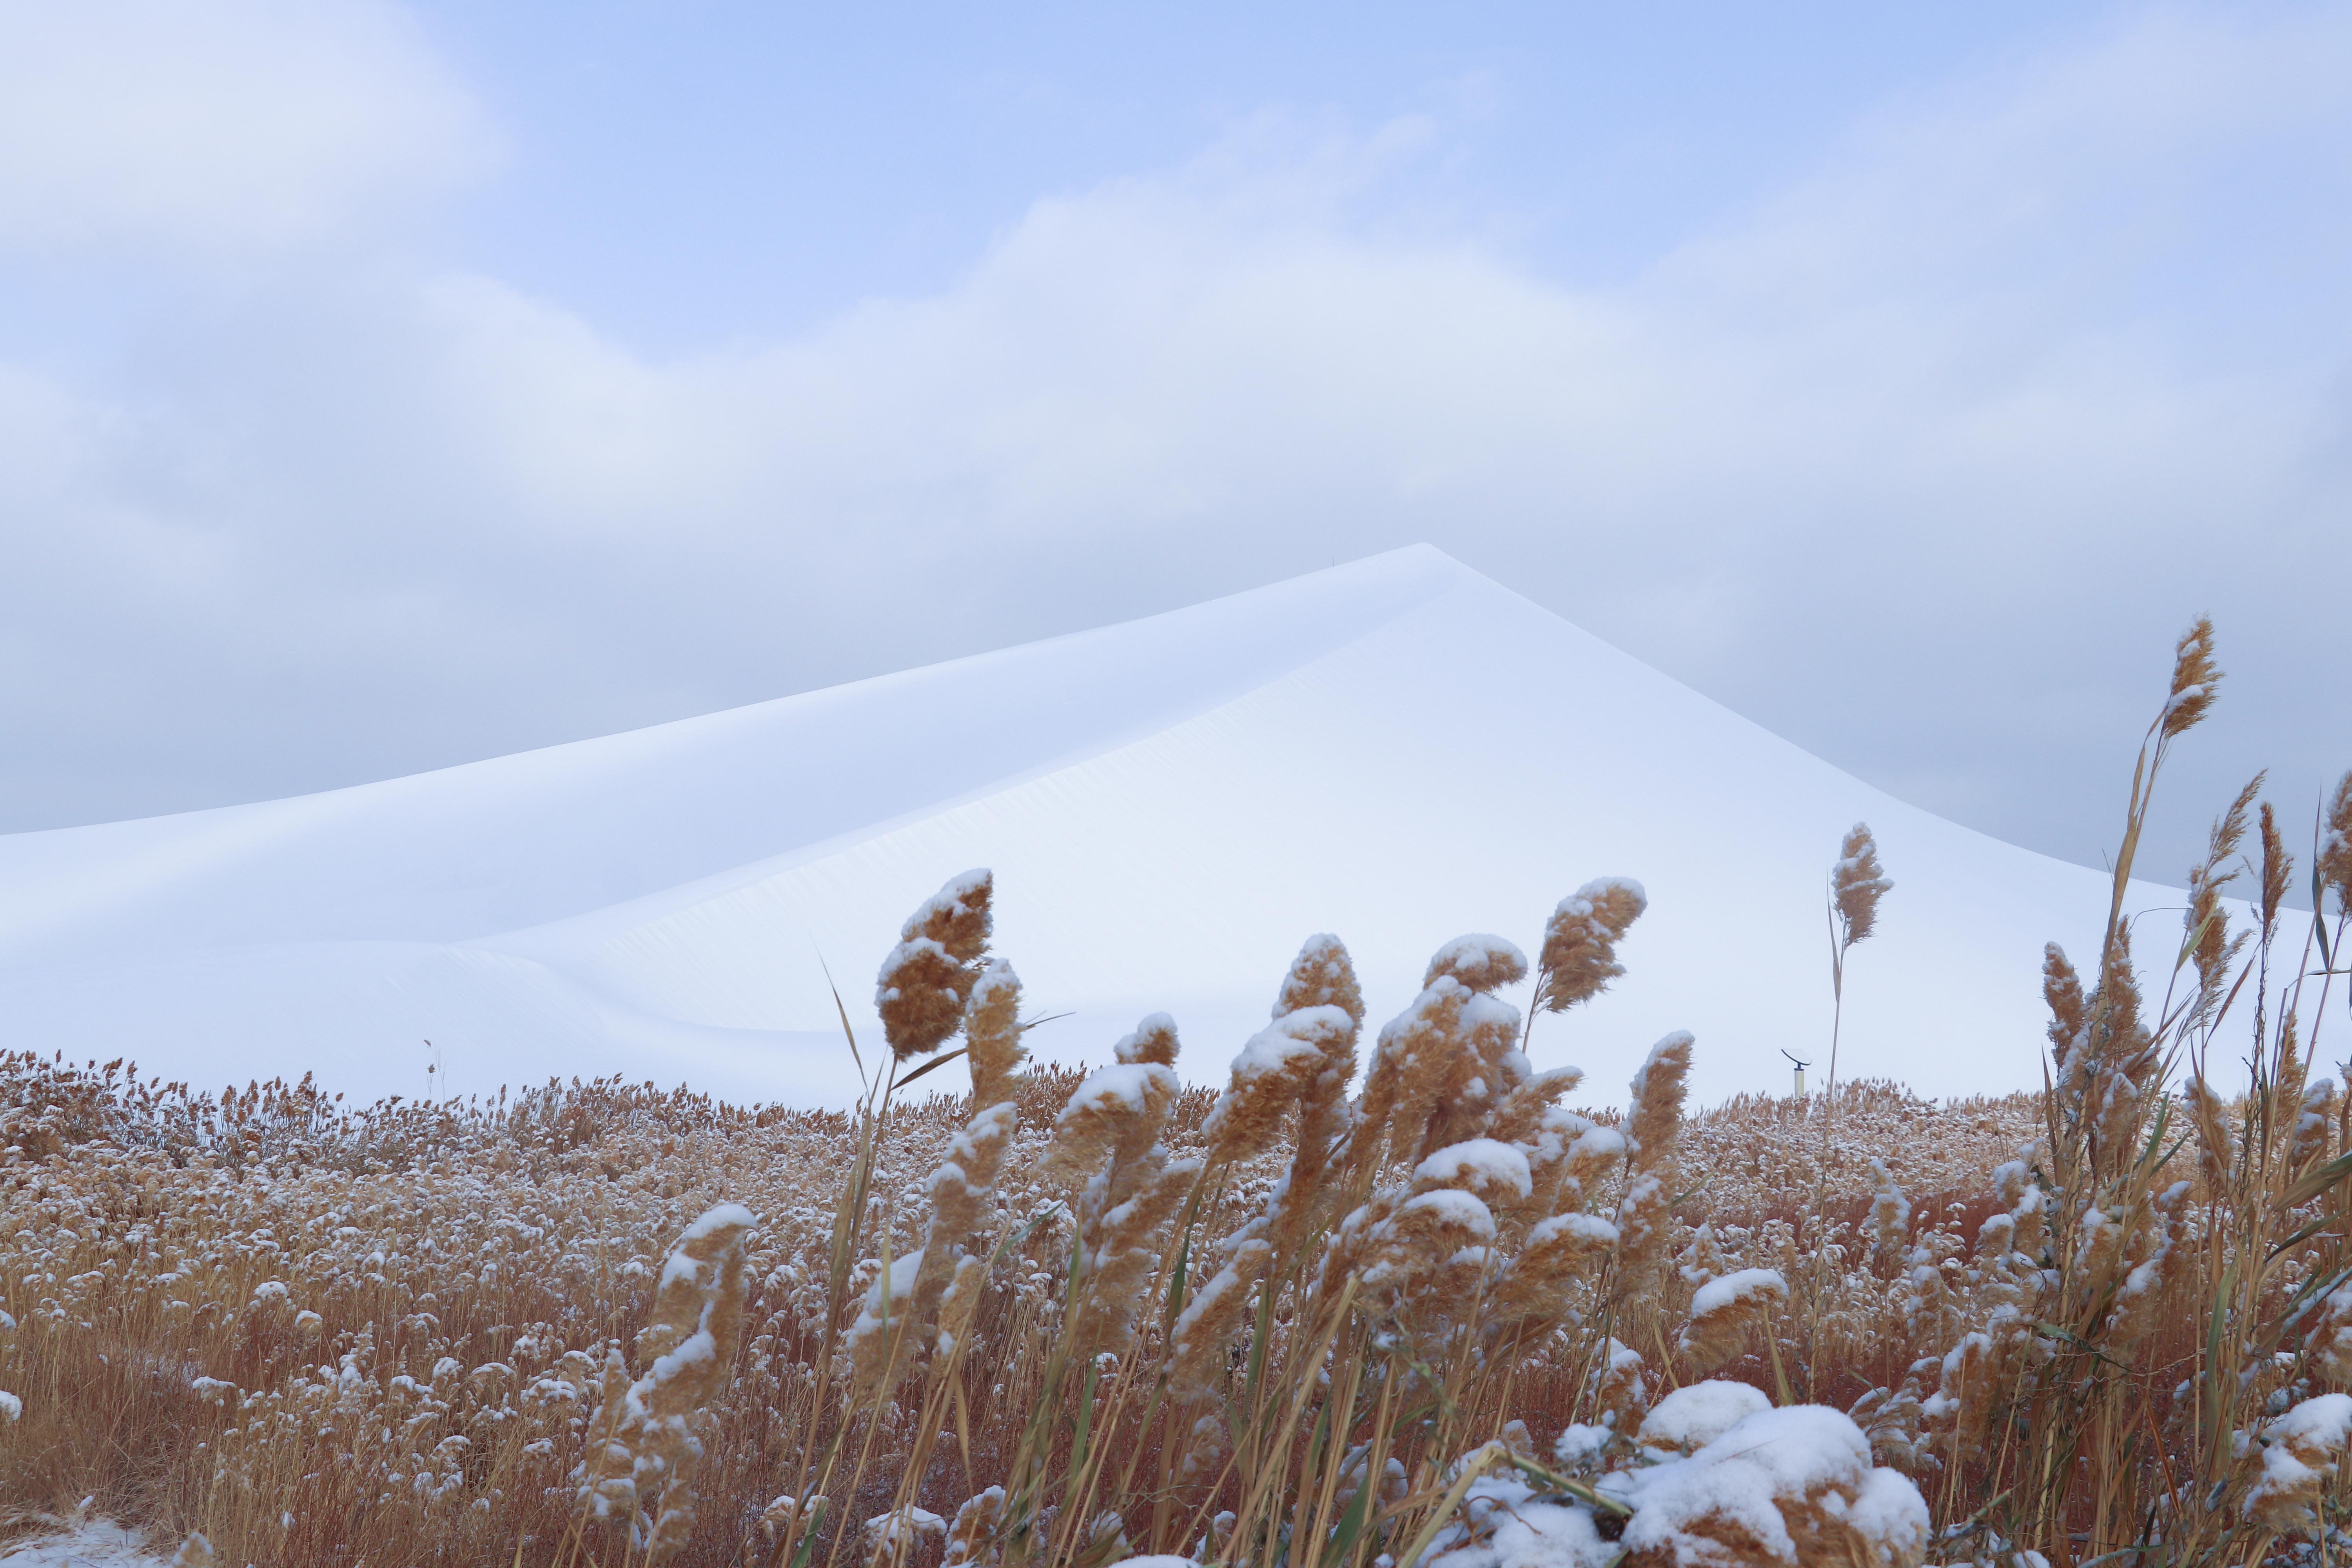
x=1920 y=460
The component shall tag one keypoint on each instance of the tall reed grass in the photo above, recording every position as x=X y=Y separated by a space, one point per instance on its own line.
x=1384 y=1300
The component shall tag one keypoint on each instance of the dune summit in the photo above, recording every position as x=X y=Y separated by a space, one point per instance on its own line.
x=1398 y=750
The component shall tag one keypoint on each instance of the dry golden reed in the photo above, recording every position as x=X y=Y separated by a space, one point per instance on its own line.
x=1453 y=1320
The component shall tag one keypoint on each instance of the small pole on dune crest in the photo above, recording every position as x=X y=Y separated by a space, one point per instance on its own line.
x=1801 y=1075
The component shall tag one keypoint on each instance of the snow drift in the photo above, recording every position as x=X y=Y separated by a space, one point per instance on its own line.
x=1398 y=750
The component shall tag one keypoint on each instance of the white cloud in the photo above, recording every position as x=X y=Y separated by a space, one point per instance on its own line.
x=228 y=125
x=1940 y=432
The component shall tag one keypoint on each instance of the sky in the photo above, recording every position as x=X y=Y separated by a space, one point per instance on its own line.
x=383 y=387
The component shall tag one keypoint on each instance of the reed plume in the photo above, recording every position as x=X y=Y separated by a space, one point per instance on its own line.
x=1725 y=1312
x=1578 y=956
x=1110 y=1132
x=2332 y=868
x=1306 y=1056
x=2195 y=680
x=1321 y=976
x=2207 y=939
x=1857 y=884
x=1890 y=1215
x=2300 y=1452
x=647 y=1442
x=972 y=1538
x=904 y=1303
x=1480 y=961
x=1659 y=1087
x=926 y=980
x=991 y=1032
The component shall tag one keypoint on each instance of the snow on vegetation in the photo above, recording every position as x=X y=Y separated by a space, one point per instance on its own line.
x=1375 y=1299
x=1698 y=1413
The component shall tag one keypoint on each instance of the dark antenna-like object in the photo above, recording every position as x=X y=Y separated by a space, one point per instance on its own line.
x=1801 y=1075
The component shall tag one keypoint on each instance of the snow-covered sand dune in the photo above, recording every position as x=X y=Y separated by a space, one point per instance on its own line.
x=1398 y=750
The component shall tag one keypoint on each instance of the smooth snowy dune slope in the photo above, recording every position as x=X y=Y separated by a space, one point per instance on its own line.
x=1398 y=750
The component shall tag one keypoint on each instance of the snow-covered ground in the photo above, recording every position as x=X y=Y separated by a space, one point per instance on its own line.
x=95 y=1543
x=1398 y=750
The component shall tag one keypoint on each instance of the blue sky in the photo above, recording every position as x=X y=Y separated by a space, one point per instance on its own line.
x=384 y=387
x=782 y=165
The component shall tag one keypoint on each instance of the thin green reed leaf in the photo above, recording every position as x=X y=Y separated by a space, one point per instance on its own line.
x=1352 y=1518
x=2155 y=1132
x=2319 y=1181
x=2318 y=915
x=1260 y=1340
x=808 y=1536
x=2299 y=1238
x=847 y=1033
x=2318 y=1284
x=1174 y=1304
x=1081 y=1441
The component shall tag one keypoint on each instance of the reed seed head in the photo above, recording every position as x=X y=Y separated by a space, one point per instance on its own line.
x=1658 y=1091
x=1116 y=1111
x=2314 y=1119
x=644 y=1451
x=1616 y=1391
x=2061 y=989
x=1286 y=1062
x=1890 y=1215
x=2301 y=1453
x=1725 y=1312
x=2335 y=863
x=960 y=917
x=920 y=994
x=1321 y=976
x=926 y=980
x=2278 y=870
x=991 y=1032
x=1857 y=884
x=2195 y=678
x=971 y=1539
x=1480 y=961
x=1153 y=1042
x=1578 y=958
x=1644 y=1215
x=1209 y=1322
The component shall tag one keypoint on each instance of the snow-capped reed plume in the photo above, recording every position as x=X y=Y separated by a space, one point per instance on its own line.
x=1110 y=1133
x=926 y=979
x=646 y=1440
x=991 y=1032
x=1450 y=1316
x=1578 y=956
x=1725 y=1314
x=928 y=1292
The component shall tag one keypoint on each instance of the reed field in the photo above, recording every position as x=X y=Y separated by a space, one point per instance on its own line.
x=1381 y=1296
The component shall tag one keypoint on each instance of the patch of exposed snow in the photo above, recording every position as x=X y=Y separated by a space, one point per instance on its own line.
x=93 y=1544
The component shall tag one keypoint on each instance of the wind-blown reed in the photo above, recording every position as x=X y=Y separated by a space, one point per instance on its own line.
x=1453 y=1320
